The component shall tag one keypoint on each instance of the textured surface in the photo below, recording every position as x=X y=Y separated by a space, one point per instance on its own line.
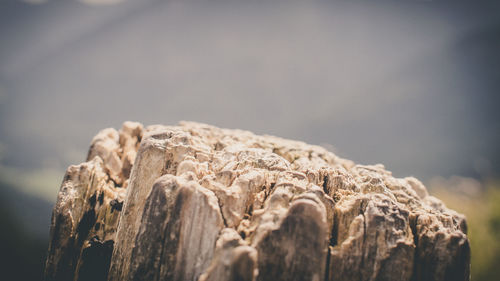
x=195 y=202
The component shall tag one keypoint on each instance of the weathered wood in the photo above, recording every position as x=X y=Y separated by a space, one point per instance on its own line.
x=88 y=206
x=195 y=202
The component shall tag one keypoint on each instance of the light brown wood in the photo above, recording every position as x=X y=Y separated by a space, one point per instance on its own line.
x=195 y=202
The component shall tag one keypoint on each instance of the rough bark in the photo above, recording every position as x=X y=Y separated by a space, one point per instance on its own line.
x=195 y=202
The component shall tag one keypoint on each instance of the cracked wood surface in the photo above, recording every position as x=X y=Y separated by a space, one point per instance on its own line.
x=196 y=202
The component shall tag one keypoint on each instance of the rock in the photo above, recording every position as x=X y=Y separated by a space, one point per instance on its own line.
x=195 y=202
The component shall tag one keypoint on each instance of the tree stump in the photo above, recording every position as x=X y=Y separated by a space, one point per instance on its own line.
x=196 y=202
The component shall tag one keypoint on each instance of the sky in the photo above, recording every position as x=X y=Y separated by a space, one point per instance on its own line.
x=410 y=84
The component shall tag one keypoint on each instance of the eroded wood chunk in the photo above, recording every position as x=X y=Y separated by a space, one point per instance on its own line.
x=234 y=259
x=86 y=214
x=298 y=244
x=195 y=202
x=179 y=226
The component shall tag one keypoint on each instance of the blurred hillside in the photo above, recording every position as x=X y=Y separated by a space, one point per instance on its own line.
x=480 y=202
x=25 y=225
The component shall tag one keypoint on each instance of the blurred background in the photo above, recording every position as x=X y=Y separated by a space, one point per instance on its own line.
x=411 y=84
